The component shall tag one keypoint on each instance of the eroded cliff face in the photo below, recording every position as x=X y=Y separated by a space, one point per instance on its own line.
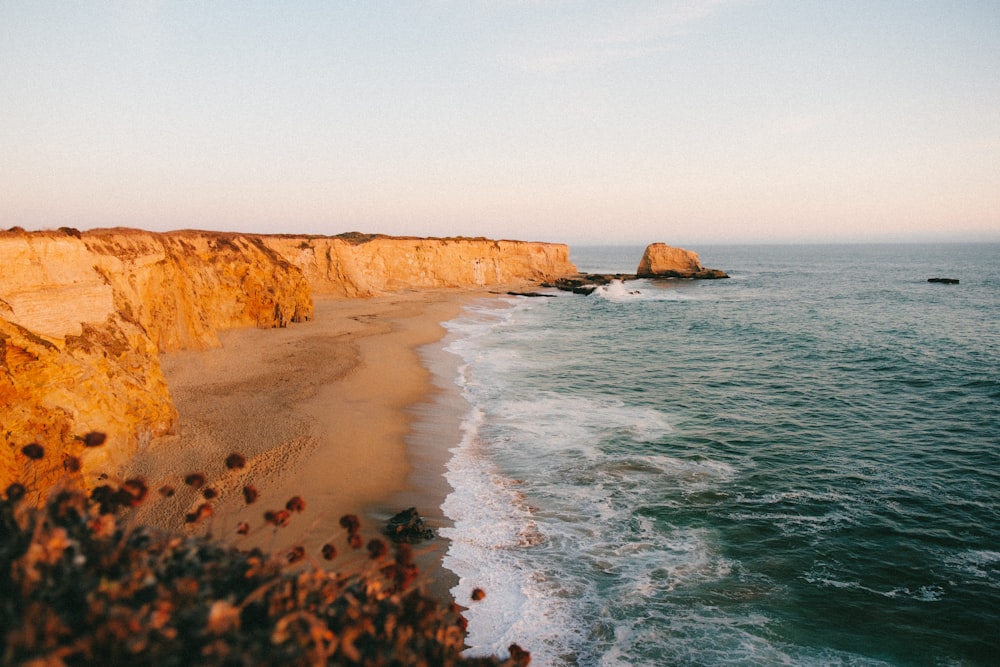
x=354 y=266
x=84 y=316
x=180 y=288
x=53 y=391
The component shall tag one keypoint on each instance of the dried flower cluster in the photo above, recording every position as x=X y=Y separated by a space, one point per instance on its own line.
x=80 y=587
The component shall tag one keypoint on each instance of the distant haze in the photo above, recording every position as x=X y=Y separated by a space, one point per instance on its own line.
x=587 y=122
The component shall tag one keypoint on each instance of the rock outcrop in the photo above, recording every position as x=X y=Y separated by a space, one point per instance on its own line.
x=84 y=316
x=407 y=526
x=663 y=261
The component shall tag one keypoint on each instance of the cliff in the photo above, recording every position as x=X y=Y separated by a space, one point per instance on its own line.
x=84 y=316
x=353 y=265
x=663 y=261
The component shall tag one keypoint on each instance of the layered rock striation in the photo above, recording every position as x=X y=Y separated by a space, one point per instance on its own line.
x=84 y=316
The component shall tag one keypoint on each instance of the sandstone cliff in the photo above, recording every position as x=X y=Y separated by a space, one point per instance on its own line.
x=354 y=265
x=83 y=317
x=663 y=261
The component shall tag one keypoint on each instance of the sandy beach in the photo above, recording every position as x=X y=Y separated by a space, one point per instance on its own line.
x=322 y=410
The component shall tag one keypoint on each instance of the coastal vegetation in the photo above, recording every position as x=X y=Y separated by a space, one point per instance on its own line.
x=83 y=584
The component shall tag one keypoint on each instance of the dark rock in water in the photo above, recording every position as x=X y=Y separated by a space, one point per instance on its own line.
x=407 y=526
x=703 y=274
x=946 y=281
x=531 y=294
x=586 y=283
x=660 y=261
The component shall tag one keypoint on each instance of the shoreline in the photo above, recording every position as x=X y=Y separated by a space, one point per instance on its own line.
x=366 y=432
x=436 y=430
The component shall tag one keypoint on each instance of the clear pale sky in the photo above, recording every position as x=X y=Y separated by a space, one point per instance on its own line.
x=682 y=121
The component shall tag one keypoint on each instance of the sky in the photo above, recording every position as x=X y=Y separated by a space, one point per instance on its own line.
x=575 y=121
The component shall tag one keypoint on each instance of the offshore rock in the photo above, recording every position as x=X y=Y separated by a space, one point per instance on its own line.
x=663 y=261
x=533 y=295
x=585 y=283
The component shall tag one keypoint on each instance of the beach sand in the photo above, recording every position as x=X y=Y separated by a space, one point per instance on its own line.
x=323 y=410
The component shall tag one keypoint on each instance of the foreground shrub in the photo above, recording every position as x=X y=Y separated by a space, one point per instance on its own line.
x=78 y=586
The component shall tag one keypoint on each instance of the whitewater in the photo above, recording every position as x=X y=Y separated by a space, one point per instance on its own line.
x=798 y=465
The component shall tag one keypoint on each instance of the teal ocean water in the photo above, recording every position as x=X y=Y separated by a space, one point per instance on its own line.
x=799 y=465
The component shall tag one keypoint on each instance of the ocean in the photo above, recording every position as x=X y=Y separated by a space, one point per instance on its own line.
x=799 y=465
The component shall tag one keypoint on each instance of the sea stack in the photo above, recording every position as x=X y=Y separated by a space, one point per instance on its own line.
x=663 y=261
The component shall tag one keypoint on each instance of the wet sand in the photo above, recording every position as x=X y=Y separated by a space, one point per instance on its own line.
x=324 y=410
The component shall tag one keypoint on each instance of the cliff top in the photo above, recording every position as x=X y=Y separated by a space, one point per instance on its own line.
x=352 y=238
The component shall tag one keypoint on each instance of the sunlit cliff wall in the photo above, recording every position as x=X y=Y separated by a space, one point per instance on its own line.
x=356 y=265
x=84 y=316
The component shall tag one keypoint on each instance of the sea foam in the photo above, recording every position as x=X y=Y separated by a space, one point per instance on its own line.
x=745 y=472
